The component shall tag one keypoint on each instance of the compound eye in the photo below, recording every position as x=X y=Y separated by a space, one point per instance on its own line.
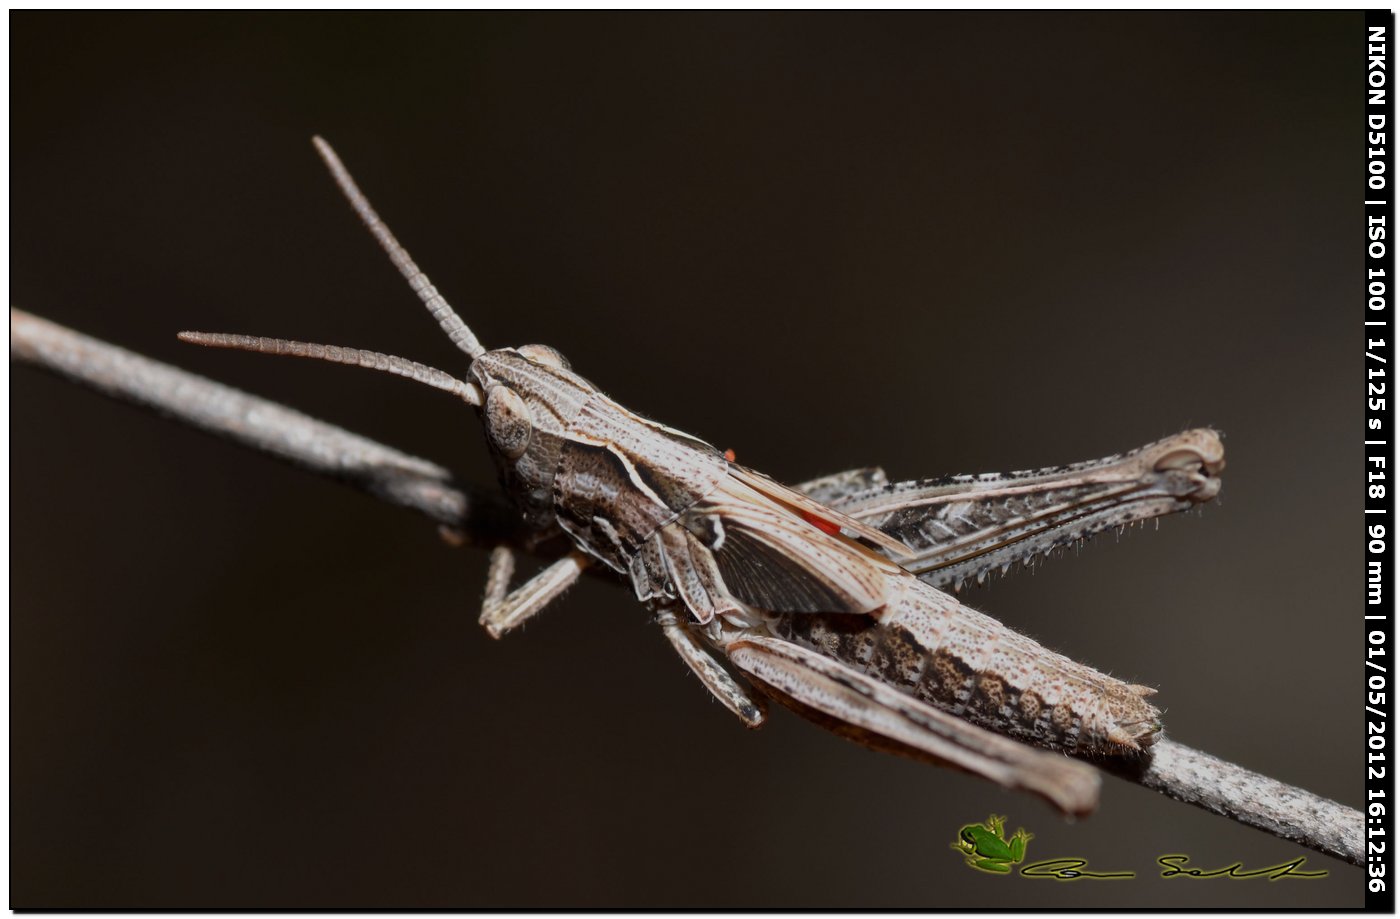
x=544 y=354
x=508 y=420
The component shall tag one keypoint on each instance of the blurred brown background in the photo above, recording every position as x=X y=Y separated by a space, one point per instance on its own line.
x=944 y=243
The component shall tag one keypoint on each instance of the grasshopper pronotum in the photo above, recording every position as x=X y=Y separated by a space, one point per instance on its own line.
x=824 y=596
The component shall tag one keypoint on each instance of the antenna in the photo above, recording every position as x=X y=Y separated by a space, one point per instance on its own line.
x=412 y=370
x=446 y=317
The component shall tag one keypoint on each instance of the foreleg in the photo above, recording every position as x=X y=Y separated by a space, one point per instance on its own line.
x=502 y=611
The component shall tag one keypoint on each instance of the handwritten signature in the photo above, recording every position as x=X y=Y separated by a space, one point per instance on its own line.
x=1073 y=869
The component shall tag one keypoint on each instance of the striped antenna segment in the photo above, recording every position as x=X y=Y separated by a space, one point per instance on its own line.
x=355 y=357
x=451 y=323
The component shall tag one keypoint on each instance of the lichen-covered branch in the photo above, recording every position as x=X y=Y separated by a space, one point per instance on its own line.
x=481 y=517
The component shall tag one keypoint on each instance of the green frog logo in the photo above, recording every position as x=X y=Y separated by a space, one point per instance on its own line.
x=986 y=848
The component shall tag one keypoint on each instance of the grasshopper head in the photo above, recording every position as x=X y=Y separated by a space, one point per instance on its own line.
x=527 y=391
x=530 y=399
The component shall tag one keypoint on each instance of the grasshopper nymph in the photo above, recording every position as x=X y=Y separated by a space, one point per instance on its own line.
x=824 y=596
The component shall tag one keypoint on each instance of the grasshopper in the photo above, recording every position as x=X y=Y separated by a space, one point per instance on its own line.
x=826 y=596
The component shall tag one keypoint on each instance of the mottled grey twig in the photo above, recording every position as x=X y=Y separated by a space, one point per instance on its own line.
x=1185 y=774
x=481 y=516
x=1175 y=770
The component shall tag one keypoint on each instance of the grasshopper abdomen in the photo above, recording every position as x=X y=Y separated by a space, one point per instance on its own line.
x=929 y=646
